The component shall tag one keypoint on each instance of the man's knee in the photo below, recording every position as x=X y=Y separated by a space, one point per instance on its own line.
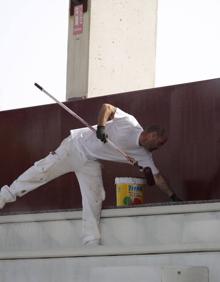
x=6 y=196
x=47 y=163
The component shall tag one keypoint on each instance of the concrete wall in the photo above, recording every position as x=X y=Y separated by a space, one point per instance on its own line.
x=138 y=230
x=156 y=244
x=112 y=268
x=78 y=59
x=116 y=51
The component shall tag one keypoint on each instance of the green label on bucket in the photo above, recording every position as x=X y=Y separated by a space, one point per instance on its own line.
x=127 y=201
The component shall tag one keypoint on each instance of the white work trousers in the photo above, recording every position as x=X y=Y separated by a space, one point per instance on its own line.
x=66 y=159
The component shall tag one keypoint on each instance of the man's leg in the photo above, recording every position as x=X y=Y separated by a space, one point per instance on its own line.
x=92 y=190
x=55 y=164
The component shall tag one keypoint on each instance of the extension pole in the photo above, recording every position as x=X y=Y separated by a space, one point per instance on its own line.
x=131 y=160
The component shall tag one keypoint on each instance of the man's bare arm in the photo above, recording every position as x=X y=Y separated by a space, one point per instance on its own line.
x=106 y=113
x=163 y=185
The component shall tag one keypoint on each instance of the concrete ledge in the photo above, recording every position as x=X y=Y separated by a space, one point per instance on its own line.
x=138 y=230
x=112 y=251
x=160 y=209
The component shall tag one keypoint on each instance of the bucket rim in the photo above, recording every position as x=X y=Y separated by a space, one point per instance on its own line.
x=130 y=180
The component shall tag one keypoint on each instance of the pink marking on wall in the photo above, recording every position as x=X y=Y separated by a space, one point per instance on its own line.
x=78 y=20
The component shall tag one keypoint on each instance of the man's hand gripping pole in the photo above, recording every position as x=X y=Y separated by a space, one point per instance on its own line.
x=131 y=160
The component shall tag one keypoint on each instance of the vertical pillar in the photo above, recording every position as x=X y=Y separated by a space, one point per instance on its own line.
x=116 y=51
x=78 y=54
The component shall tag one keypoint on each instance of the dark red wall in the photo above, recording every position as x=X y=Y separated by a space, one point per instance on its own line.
x=190 y=160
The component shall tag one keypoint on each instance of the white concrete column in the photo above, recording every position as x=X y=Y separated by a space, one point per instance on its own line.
x=78 y=59
x=116 y=51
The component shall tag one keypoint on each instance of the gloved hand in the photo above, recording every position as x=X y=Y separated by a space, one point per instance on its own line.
x=100 y=133
x=175 y=198
x=149 y=176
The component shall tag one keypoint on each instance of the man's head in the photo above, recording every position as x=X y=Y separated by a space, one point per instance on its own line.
x=153 y=137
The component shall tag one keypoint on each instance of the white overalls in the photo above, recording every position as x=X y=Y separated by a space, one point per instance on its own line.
x=66 y=159
x=79 y=153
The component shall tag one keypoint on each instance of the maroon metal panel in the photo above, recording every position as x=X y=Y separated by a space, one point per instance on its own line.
x=190 y=160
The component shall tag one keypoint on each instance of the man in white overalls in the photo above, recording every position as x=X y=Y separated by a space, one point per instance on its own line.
x=80 y=153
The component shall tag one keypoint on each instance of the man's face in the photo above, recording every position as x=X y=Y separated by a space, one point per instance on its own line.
x=152 y=141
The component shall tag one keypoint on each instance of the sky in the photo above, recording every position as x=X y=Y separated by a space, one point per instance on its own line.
x=188 y=41
x=34 y=47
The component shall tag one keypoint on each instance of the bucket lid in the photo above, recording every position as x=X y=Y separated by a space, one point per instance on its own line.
x=129 y=180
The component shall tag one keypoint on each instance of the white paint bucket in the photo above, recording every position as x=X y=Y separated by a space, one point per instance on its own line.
x=129 y=191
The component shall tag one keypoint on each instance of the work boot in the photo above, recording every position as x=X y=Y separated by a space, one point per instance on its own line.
x=6 y=196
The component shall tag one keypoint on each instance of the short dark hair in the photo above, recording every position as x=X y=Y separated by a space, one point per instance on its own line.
x=156 y=128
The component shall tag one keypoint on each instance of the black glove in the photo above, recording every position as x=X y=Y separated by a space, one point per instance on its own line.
x=175 y=198
x=149 y=176
x=100 y=133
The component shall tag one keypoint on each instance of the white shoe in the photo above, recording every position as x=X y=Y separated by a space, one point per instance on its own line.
x=6 y=196
x=92 y=243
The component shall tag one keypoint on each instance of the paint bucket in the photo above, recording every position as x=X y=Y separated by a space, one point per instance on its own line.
x=129 y=191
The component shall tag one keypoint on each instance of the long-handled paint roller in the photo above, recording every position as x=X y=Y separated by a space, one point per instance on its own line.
x=131 y=160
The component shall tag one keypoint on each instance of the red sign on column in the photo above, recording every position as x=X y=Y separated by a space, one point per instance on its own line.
x=78 y=19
